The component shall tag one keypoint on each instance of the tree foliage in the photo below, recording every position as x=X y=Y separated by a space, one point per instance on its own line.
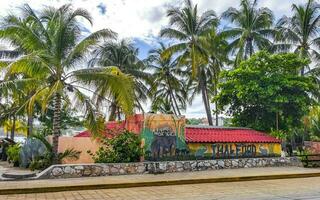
x=55 y=51
x=168 y=90
x=301 y=31
x=252 y=31
x=124 y=147
x=266 y=92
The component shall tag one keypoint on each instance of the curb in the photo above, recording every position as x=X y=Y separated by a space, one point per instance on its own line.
x=153 y=183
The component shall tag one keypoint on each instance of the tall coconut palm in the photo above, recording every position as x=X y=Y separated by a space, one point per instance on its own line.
x=252 y=29
x=187 y=27
x=54 y=52
x=123 y=55
x=167 y=87
x=301 y=31
x=216 y=53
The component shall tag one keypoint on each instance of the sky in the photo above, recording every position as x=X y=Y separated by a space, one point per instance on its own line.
x=141 y=20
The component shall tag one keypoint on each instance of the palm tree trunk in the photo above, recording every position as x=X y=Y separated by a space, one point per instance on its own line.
x=30 y=124
x=205 y=99
x=302 y=54
x=277 y=120
x=56 y=126
x=13 y=128
x=112 y=116
x=174 y=99
x=215 y=90
x=175 y=106
x=216 y=107
x=171 y=103
x=119 y=114
x=250 y=46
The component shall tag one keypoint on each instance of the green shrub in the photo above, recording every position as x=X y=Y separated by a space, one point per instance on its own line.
x=279 y=134
x=122 y=148
x=14 y=154
x=40 y=162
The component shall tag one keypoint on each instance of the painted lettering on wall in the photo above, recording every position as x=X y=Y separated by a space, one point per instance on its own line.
x=233 y=150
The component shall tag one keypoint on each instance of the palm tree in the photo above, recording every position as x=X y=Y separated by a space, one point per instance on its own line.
x=54 y=52
x=14 y=126
x=251 y=31
x=215 y=46
x=125 y=56
x=301 y=31
x=187 y=27
x=167 y=87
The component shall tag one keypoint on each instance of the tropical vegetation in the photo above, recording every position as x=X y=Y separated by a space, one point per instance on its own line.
x=260 y=71
x=266 y=92
x=125 y=147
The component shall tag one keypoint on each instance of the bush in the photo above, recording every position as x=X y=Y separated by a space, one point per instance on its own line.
x=279 y=134
x=40 y=162
x=122 y=148
x=14 y=154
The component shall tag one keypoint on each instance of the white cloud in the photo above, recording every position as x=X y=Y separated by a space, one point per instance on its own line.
x=140 y=18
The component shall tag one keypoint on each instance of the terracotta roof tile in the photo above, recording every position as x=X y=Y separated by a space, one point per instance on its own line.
x=227 y=135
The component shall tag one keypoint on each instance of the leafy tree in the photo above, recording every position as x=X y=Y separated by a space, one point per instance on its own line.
x=55 y=50
x=266 y=92
x=301 y=31
x=312 y=123
x=23 y=93
x=14 y=126
x=168 y=90
x=11 y=110
x=123 y=55
x=252 y=29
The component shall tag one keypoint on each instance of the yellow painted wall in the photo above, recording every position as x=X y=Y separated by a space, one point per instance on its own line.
x=234 y=149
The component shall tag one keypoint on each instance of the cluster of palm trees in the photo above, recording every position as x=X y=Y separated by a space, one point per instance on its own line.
x=53 y=63
x=204 y=49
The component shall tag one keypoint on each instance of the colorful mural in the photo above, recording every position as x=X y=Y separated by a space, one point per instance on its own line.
x=234 y=150
x=163 y=136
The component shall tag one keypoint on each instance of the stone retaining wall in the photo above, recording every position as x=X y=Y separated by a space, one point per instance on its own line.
x=108 y=169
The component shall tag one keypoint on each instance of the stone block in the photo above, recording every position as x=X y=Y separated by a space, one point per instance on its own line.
x=57 y=171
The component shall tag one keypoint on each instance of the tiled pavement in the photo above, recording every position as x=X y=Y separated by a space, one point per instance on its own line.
x=226 y=173
x=305 y=188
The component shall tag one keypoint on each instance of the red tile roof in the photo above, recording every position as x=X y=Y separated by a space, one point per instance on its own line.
x=205 y=134
x=112 y=128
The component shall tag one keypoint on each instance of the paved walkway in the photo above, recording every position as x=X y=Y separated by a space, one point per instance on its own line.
x=6 y=167
x=286 y=189
x=145 y=180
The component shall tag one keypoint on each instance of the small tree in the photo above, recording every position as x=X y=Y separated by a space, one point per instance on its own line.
x=266 y=92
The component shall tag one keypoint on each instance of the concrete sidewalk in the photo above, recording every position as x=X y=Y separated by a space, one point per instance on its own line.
x=107 y=182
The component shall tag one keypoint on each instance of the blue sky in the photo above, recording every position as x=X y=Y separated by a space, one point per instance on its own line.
x=141 y=20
